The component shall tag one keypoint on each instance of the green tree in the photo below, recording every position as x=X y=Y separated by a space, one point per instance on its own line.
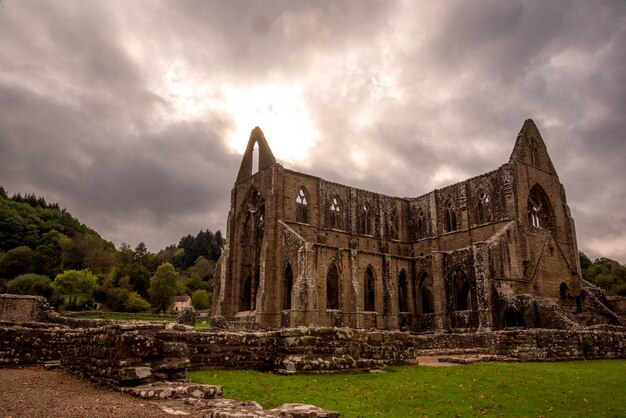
x=75 y=284
x=200 y=299
x=16 y=261
x=31 y=284
x=163 y=286
x=135 y=303
x=116 y=298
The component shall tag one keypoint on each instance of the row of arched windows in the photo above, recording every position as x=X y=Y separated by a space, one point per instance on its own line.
x=335 y=216
x=462 y=290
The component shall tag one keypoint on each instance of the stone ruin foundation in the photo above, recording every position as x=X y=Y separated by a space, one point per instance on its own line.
x=151 y=360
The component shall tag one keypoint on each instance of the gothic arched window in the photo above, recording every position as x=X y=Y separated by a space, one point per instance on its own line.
x=540 y=213
x=332 y=288
x=287 y=287
x=483 y=208
x=302 y=206
x=403 y=292
x=421 y=225
x=534 y=155
x=366 y=220
x=335 y=213
x=369 y=292
x=393 y=225
x=462 y=291
x=450 y=221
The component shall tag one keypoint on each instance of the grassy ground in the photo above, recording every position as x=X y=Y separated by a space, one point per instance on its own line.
x=199 y=324
x=125 y=318
x=564 y=389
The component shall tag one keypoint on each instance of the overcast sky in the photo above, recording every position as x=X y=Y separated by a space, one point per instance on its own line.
x=133 y=114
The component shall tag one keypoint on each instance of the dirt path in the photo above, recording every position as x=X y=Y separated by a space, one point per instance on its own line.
x=35 y=392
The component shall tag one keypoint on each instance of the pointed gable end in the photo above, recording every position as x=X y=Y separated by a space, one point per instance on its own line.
x=266 y=158
x=530 y=148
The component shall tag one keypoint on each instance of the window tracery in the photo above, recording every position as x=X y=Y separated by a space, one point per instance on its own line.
x=335 y=213
x=302 y=206
x=483 y=208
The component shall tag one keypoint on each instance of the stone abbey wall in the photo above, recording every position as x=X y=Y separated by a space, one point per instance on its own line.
x=304 y=251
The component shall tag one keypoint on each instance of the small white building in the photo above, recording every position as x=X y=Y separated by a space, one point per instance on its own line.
x=180 y=303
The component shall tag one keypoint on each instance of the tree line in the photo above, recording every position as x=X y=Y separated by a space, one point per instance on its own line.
x=605 y=273
x=45 y=251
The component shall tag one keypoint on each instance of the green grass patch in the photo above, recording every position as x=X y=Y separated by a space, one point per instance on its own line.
x=203 y=324
x=124 y=317
x=563 y=389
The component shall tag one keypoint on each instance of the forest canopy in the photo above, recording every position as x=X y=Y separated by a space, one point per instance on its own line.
x=42 y=245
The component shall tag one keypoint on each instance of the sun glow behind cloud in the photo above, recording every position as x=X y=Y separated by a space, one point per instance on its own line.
x=278 y=109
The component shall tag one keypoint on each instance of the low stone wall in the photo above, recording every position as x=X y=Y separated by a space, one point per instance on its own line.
x=124 y=354
x=127 y=354
x=604 y=342
x=29 y=344
x=26 y=308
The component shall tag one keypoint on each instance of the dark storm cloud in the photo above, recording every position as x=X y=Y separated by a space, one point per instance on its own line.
x=406 y=97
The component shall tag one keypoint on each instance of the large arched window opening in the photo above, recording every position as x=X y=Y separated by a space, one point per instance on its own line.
x=450 y=214
x=332 y=288
x=423 y=294
x=421 y=225
x=403 y=292
x=483 y=208
x=335 y=213
x=245 y=299
x=369 y=290
x=540 y=212
x=302 y=206
x=255 y=158
x=393 y=224
x=366 y=220
x=427 y=301
x=463 y=291
x=287 y=287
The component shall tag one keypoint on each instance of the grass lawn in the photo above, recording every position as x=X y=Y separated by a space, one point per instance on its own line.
x=205 y=324
x=563 y=389
x=125 y=318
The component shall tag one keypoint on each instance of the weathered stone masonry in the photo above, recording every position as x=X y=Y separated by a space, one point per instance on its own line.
x=303 y=251
x=133 y=353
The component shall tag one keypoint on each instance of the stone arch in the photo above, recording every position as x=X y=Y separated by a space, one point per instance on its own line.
x=540 y=210
x=287 y=286
x=302 y=206
x=403 y=292
x=422 y=293
x=369 y=290
x=332 y=287
x=265 y=157
x=462 y=291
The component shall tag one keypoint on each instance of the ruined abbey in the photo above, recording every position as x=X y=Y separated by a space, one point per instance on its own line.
x=494 y=251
